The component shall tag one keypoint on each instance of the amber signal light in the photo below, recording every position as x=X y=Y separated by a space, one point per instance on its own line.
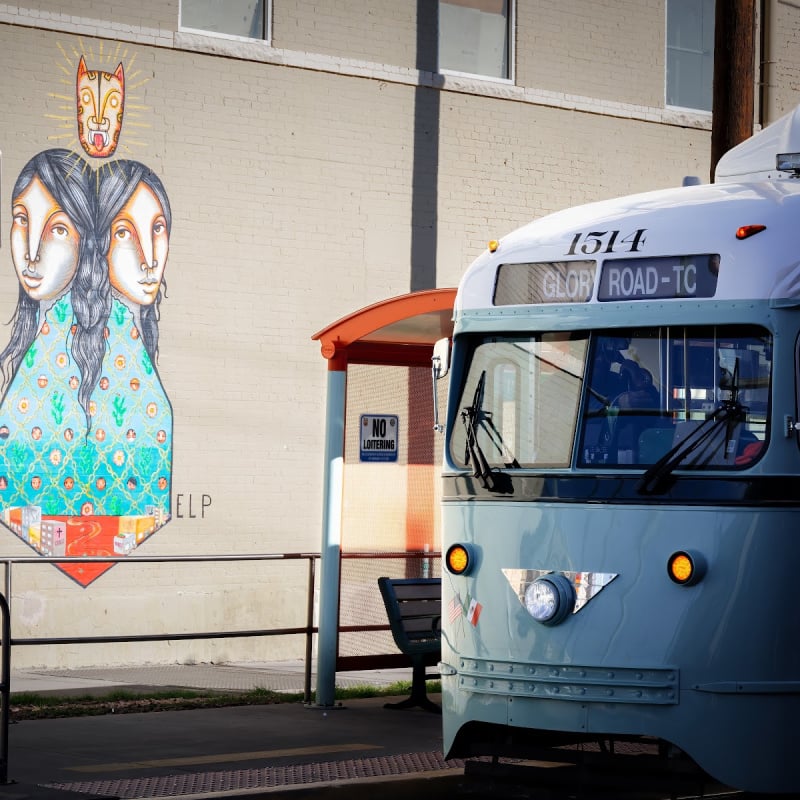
x=685 y=568
x=458 y=559
x=746 y=231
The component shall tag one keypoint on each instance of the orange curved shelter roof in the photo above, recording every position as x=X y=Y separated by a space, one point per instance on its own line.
x=398 y=331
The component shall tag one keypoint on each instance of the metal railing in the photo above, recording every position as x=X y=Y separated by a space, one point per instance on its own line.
x=5 y=687
x=308 y=630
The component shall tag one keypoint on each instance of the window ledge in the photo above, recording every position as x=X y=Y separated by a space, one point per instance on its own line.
x=262 y=51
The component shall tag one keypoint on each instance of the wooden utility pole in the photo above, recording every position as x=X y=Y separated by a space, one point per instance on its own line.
x=734 y=76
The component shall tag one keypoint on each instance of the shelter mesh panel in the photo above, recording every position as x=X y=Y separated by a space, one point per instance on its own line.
x=387 y=507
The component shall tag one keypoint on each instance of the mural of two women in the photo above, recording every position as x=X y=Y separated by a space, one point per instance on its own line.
x=85 y=424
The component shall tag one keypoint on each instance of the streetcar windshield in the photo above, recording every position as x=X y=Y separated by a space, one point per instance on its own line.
x=694 y=398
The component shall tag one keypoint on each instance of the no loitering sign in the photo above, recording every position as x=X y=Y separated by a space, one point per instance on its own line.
x=379 y=437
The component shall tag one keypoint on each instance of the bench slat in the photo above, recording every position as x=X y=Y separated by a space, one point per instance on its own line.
x=419 y=608
x=418 y=591
x=415 y=618
x=420 y=624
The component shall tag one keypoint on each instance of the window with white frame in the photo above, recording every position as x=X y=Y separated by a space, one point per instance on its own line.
x=476 y=37
x=690 y=53
x=246 y=18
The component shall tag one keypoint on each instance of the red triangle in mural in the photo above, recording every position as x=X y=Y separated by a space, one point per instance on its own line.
x=76 y=537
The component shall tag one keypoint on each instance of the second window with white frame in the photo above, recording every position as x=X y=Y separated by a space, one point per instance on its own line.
x=475 y=37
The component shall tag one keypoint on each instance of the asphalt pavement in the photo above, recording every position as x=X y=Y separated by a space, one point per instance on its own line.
x=289 y=748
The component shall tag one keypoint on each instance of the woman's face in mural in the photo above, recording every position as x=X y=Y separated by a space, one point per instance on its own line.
x=139 y=247
x=44 y=242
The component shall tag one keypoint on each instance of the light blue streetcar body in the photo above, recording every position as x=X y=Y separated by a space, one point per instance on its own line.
x=621 y=488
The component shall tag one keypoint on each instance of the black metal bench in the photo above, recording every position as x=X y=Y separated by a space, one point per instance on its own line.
x=414 y=608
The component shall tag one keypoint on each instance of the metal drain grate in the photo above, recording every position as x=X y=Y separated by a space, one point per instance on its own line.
x=264 y=778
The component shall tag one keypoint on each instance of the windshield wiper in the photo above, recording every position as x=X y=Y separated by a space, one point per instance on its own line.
x=729 y=413
x=475 y=417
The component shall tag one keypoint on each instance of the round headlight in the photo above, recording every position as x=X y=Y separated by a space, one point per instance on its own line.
x=550 y=599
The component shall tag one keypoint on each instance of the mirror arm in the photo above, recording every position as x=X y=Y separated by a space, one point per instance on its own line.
x=436 y=370
x=440 y=366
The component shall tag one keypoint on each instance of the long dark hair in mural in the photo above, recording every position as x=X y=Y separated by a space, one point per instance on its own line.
x=85 y=423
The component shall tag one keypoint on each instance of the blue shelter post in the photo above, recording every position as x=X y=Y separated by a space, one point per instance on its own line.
x=331 y=532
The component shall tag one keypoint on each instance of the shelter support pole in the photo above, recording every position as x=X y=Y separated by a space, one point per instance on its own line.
x=330 y=551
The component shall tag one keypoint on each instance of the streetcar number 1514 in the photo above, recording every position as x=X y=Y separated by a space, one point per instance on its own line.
x=591 y=242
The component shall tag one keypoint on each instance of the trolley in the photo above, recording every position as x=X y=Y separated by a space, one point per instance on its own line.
x=621 y=500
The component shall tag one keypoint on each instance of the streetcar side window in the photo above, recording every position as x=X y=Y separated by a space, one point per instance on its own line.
x=650 y=390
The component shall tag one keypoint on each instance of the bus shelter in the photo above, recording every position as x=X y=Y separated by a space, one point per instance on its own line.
x=381 y=466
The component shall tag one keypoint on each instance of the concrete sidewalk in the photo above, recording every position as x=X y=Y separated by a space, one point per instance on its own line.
x=280 y=676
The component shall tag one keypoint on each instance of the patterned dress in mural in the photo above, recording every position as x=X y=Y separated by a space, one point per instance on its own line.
x=118 y=475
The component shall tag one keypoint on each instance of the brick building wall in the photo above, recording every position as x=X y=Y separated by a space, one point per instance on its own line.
x=609 y=50
x=308 y=179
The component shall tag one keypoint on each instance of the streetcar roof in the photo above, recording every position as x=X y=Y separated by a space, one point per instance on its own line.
x=691 y=220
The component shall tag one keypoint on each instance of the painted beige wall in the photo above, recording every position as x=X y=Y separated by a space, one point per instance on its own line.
x=607 y=49
x=784 y=57
x=383 y=31
x=125 y=16
x=290 y=171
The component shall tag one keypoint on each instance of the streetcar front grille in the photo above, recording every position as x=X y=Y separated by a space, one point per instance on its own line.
x=569 y=682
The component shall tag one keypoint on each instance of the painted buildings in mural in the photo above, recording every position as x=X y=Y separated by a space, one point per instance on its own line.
x=85 y=423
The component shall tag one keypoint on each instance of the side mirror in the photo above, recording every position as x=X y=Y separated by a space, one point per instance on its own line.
x=440 y=366
x=441 y=359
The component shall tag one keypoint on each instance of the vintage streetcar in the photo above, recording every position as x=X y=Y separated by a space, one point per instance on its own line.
x=621 y=486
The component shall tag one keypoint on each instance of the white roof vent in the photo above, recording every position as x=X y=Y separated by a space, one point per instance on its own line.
x=772 y=153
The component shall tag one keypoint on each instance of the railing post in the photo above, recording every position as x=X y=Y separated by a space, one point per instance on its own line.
x=309 y=631
x=5 y=687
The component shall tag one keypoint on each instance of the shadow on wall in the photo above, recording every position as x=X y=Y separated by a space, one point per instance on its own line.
x=424 y=189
